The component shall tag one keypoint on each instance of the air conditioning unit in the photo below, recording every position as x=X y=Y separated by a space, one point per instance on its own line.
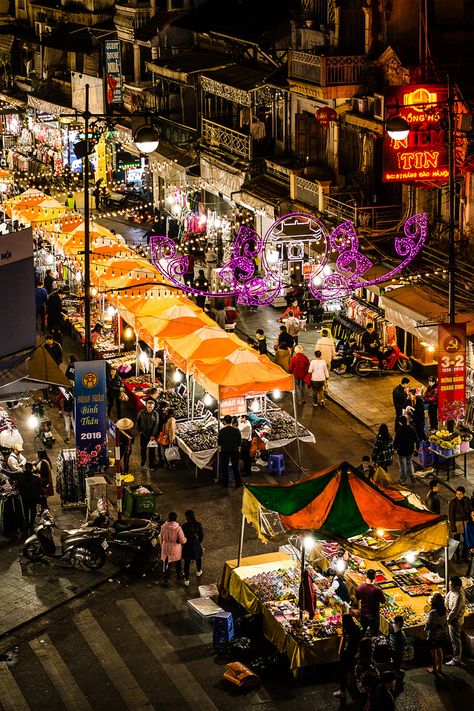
x=360 y=105
x=379 y=107
x=42 y=29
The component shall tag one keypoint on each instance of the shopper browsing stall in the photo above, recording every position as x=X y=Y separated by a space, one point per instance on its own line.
x=458 y=513
x=172 y=539
x=435 y=629
x=147 y=424
x=371 y=598
x=245 y=429
x=54 y=349
x=325 y=344
x=114 y=392
x=229 y=441
x=16 y=461
x=405 y=443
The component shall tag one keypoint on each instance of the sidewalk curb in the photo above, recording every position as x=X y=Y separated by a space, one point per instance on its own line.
x=349 y=412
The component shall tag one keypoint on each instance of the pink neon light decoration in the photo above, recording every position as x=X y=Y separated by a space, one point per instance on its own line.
x=288 y=235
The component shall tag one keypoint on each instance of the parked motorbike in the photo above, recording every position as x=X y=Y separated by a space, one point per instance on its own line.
x=393 y=359
x=86 y=546
x=133 y=534
x=43 y=430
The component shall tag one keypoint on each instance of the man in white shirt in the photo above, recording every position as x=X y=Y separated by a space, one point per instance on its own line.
x=246 y=432
x=210 y=258
x=319 y=375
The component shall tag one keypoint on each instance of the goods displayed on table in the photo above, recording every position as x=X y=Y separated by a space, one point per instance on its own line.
x=199 y=435
x=177 y=403
x=450 y=443
x=125 y=364
x=278 y=590
x=282 y=427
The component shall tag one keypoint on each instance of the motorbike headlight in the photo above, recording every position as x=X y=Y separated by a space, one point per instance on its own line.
x=32 y=421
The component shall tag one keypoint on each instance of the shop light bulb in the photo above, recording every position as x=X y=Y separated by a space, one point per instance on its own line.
x=276 y=394
x=50 y=259
x=340 y=565
x=78 y=276
x=176 y=209
x=430 y=349
x=309 y=543
x=177 y=376
x=380 y=532
x=111 y=310
x=327 y=270
x=144 y=360
x=207 y=400
x=128 y=333
x=317 y=281
x=170 y=200
x=255 y=407
x=217 y=223
x=410 y=557
x=32 y=421
x=93 y=291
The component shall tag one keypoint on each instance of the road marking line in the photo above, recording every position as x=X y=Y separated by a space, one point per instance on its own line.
x=11 y=698
x=60 y=675
x=111 y=662
x=166 y=656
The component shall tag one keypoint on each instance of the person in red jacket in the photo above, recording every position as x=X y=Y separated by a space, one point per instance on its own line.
x=299 y=365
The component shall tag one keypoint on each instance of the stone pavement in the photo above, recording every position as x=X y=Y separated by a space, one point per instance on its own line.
x=28 y=589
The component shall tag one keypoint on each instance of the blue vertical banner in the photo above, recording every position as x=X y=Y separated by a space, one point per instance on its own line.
x=91 y=412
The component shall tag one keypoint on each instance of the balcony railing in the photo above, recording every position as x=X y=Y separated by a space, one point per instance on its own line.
x=234 y=142
x=326 y=71
x=139 y=98
x=375 y=217
x=306 y=191
x=277 y=171
x=175 y=133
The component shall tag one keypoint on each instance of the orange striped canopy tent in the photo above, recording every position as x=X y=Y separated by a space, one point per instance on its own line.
x=209 y=343
x=339 y=503
x=34 y=206
x=175 y=320
x=243 y=372
x=5 y=176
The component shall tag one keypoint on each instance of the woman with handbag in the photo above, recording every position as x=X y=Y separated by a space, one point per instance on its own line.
x=168 y=440
x=192 y=549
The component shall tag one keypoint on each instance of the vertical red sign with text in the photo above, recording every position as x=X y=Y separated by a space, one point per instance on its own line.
x=451 y=371
x=423 y=154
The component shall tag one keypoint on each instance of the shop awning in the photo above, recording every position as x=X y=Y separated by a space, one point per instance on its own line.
x=339 y=503
x=48 y=107
x=409 y=306
x=183 y=66
x=38 y=372
x=243 y=372
x=206 y=344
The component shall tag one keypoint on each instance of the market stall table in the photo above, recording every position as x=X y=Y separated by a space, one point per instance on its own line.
x=233 y=583
x=450 y=459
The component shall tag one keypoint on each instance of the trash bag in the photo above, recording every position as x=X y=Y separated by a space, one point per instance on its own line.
x=250 y=626
x=240 y=648
x=271 y=663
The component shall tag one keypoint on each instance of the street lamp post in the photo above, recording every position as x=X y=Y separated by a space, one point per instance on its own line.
x=87 y=261
x=146 y=139
x=398 y=129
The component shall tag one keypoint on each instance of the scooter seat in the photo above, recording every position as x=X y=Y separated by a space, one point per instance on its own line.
x=66 y=534
x=130 y=524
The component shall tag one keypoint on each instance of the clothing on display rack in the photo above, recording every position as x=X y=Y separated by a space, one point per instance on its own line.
x=70 y=480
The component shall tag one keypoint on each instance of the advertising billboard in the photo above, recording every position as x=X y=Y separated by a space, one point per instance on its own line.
x=113 y=70
x=423 y=154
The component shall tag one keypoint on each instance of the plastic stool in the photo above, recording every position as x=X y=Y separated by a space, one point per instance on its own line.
x=276 y=464
x=223 y=631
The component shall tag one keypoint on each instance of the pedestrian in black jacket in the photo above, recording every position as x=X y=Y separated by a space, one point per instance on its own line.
x=459 y=514
x=114 y=389
x=54 y=311
x=54 y=349
x=400 y=398
x=147 y=424
x=192 y=549
x=405 y=443
x=432 y=501
x=31 y=492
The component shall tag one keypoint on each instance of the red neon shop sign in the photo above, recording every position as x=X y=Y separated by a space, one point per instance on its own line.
x=423 y=154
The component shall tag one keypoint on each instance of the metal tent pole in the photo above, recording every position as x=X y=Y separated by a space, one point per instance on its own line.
x=192 y=400
x=87 y=254
x=241 y=540
x=165 y=362
x=296 y=429
x=302 y=595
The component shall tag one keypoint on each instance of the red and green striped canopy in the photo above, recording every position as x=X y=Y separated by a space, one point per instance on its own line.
x=339 y=502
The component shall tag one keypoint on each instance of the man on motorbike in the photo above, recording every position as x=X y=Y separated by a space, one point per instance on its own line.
x=371 y=344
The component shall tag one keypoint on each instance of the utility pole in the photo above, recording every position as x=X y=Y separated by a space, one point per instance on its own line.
x=451 y=243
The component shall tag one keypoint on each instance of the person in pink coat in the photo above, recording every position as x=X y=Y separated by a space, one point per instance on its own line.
x=172 y=539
